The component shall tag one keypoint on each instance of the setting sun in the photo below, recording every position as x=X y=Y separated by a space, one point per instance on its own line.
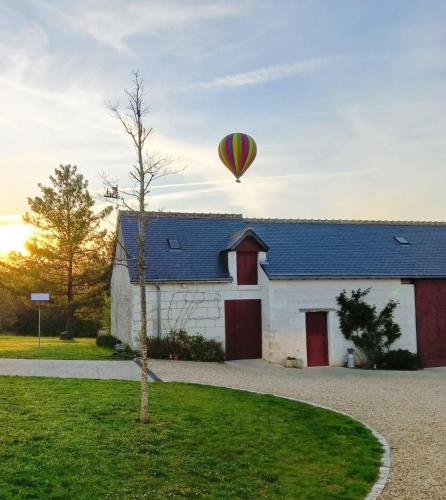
x=13 y=237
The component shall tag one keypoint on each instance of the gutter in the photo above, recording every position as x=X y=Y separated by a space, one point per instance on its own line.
x=171 y=280
x=273 y=277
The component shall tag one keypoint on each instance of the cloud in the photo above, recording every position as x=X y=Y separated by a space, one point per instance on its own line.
x=378 y=110
x=296 y=68
x=248 y=197
x=268 y=73
x=112 y=23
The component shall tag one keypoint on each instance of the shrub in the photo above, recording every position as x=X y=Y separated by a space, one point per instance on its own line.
x=53 y=322
x=187 y=347
x=400 y=359
x=85 y=327
x=160 y=348
x=202 y=349
x=371 y=331
x=106 y=314
x=66 y=336
x=106 y=341
x=125 y=352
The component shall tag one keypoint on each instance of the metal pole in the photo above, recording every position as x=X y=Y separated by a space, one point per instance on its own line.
x=39 y=326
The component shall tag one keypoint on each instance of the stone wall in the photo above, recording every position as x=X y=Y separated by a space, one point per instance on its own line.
x=194 y=307
x=289 y=300
x=121 y=297
x=199 y=308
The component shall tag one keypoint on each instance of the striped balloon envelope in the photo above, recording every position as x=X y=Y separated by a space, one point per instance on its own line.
x=237 y=151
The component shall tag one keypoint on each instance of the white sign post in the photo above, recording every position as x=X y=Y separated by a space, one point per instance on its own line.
x=40 y=297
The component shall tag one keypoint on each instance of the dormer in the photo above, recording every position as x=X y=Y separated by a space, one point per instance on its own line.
x=245 y=245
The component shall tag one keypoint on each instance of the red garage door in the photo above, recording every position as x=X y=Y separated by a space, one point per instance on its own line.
x=430 y=304
x=317 y=339
x=243 y=328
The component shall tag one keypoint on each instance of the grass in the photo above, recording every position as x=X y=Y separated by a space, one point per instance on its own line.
x=15 y=346
x=67 y=438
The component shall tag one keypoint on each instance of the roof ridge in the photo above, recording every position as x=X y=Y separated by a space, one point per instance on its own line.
x=216 y=215
x=347 y=221
x=240 y=231
x=195 y=215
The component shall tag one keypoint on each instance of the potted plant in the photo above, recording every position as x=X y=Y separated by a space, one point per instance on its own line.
x=292 y=362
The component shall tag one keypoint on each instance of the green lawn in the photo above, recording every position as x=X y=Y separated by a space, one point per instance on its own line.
x=15 y=346
x=66 y=438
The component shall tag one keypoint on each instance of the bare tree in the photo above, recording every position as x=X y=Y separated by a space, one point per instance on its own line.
x=148 y=168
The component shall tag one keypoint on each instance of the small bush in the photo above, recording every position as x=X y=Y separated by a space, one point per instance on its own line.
x=106 y=341
x=66 y=336
x=160 y=348
x=187 y=347
x=124 y=353
x=400 y=359
x=205 y=349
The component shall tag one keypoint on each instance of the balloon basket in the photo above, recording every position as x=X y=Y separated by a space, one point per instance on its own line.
x=238 y=180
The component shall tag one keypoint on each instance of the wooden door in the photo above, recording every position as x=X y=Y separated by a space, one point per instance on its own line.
x=243 y=329
x=430 y=304
x=317 y=338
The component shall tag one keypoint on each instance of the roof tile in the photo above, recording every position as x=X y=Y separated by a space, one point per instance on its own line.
x=297 y=248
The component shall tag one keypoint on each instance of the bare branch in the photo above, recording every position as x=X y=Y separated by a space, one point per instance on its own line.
x=135 y=176
x=148 y=168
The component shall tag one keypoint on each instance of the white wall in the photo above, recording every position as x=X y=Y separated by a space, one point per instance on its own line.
x=121 y=297
x=199 y=308
x=195 y=307
x=289 y=300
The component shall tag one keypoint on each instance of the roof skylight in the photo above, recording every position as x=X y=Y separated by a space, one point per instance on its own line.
x=401 y=240
x=174 y=244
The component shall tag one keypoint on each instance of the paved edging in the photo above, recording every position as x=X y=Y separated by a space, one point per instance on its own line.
x=150 y=374
x=73 y=368
x=384 y=469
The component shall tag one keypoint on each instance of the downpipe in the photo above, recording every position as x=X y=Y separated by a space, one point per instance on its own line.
x=158 y=310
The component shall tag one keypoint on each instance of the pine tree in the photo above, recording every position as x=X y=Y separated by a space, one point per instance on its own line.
x=69 y=252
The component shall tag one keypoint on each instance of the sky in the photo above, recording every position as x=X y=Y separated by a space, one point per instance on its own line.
x=345 y=99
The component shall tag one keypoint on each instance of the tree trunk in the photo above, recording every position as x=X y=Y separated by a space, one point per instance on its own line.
x=70 y=295
x=144 y=414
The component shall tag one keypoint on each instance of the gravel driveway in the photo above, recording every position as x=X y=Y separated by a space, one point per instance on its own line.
x=408 y=408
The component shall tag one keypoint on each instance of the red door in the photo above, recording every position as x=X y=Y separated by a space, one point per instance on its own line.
x=317 y=338
x=243 y=329
x=430 y=306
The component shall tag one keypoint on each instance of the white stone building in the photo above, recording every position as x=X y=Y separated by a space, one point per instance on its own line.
x=267 y=288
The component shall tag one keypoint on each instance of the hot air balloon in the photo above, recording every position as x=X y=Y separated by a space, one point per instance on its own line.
x=237 y=151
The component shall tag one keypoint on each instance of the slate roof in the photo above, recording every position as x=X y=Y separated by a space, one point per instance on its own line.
x=238 y=236
x=298 y=249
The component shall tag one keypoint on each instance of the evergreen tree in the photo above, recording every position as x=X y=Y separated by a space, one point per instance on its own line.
x=69 y=251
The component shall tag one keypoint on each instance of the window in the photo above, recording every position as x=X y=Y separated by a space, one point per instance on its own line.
x=247 y=268
x=401 y=240
x=174 y=244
